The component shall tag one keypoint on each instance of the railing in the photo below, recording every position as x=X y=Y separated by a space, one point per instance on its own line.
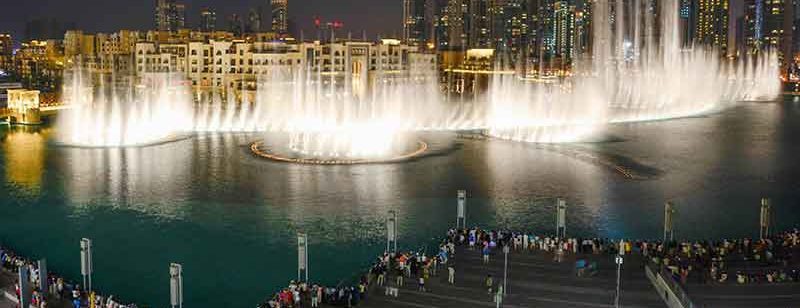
x=680 y=293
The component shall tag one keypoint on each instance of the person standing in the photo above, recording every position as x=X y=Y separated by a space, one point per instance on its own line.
x=451 y=274
x=422 y=284
x=314 y=296
x=489 y=283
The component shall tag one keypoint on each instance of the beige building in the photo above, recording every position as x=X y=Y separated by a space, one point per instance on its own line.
x=239 y=63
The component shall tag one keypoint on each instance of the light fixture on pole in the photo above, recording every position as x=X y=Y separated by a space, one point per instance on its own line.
x=461 y=218
x=506 y=249
x=618 y=259
x=176 y=285
x=391 y=232
x=24 y=286
x=86 y=263
x=302 y=256
x=669 y=233
x=766 y=209
x=561 y=218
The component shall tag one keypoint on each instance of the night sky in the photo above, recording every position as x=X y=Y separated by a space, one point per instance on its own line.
x=375 y=16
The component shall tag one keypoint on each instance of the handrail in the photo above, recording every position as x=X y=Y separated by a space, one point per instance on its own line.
x=672 y=283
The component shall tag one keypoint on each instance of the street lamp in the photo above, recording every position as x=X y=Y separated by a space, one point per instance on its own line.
x=176 y=285
x=505 y=268
x=86 y=263
x=618 y=259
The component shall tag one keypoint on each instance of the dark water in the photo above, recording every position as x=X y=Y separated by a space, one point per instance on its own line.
x=230 y=218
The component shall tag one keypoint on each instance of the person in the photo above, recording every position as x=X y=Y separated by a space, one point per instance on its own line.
x=381 y=275
x=422 y=284
x=489 y=283
x=498 y=298
x=399 y=280
x=485 y=254
x=314 y=296
x=451 y=274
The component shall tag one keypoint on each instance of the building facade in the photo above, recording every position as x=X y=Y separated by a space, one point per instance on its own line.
x=238 y=64
x=280 y=16
x=170 y=15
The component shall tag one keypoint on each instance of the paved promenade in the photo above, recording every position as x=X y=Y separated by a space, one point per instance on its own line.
x=534 y=280
x=7 y=280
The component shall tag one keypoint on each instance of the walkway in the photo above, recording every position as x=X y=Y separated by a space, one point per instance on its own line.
x=535 y=280
x=7 y=280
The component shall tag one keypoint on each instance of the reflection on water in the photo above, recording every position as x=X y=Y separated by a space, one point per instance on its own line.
x=145 y=179
x=24 y=149
x=230 y=217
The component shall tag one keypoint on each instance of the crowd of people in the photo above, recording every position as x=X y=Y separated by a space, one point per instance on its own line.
x=302 y=294
x=773 y=259
x=59 y=289
x=391 y=272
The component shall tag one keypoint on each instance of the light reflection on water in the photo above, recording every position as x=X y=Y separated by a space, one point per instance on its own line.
x=230 y=218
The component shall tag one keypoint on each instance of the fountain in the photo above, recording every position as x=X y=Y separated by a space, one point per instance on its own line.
x=357 y=115
x=113 y=111
x=344 y=118
x=631 y=76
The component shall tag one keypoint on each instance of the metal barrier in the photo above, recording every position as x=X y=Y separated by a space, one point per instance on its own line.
x=656 y=271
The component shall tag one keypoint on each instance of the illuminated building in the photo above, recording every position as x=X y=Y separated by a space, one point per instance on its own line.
x=238 y=63
x=208 y=20
x=280 y=17
x=414 y=22
x=712 y=23
x=6 y=51
x=170 y=15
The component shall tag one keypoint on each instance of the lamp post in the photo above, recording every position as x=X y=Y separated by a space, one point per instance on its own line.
x=618 y=259
x=505 y=269
x=302 y=256
x=561 y=218
x=86 y=263
x=461 y=218
x=24 y=286
x=391 y=232
x=669 y=232
x=766 y=208
x=176 y=285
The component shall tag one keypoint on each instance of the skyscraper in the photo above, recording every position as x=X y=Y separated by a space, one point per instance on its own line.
x=170 y=15
x=564 y=30
x=688 y=21
x=779 y=27
x=414 y=22
x=254 y=21
x=208 y=20
x=280 y=18
x=235 y=24
x=453 y=19
x=712 y=23
x=479 y=23
x=752 y=25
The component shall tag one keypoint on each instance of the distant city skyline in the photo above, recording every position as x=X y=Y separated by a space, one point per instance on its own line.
x=373 y=16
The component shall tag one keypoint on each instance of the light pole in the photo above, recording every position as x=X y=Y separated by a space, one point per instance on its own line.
x=619 y=260
x=669 y=232
x=766 y=208
x=176 y=285
x=391 y=232
x=461 y=217
x=505 y=268
x=302 y=256
x=561 y=218
x=86 y=263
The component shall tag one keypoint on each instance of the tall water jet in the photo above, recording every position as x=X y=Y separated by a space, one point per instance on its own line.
x=345 y=116
x=109 y=110
x=632 y=75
